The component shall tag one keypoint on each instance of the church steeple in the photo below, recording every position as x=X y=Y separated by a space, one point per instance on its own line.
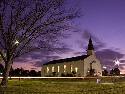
x=90 y=45
x=90 y=49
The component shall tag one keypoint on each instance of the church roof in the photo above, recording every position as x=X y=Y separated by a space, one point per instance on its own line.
x=67 y=59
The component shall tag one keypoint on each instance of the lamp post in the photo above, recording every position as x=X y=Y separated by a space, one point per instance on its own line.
x=1 y=73
x=104 y=72
x=117 y=62
x=104 y=67
x=19 y=80
x=16 y=42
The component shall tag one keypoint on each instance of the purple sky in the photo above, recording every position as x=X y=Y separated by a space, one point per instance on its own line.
x=105 y=21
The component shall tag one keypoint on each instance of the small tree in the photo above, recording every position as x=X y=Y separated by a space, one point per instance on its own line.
x=111 y=72
x=115 y=72
x=105 y=73
x=32 y=73
x=73 y=73
x=29 y=25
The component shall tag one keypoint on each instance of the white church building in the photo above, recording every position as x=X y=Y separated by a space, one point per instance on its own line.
x=80 y=66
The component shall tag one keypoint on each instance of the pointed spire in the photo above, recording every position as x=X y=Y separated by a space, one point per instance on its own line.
x=90 y=45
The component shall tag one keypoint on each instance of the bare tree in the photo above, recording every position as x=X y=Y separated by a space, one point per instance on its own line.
x=24 y=24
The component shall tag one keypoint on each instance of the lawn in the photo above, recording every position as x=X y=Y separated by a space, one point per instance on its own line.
x=62 y=87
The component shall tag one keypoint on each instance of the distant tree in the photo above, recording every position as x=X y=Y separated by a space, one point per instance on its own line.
x=30 y=25
x=111 y=72
x=18 y=72
x=22 y=72
x=115 y=72
x=105 y=73
x=39 y=73
x=32 y=73
x=25 y=73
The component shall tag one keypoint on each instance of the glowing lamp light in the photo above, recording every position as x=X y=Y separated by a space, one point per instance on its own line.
x=117 y=62
x=104 y=67
x=16 y=42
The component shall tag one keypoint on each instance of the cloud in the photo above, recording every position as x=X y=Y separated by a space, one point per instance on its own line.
x=122 y=69
x=85 y=35
x=122 y=61
x=45 y=59
x=63 y=50
x=107 y=56
x=20 y=59
x=44 y=55
x=26 y=66
x=36 y=59
x=78 y=53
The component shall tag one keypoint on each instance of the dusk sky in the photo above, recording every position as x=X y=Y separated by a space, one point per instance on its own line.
x=104 y=20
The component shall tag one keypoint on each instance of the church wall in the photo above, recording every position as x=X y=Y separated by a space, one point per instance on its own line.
x=96 y=65
x=83 y=66
x=86 y=66
x=75 y=65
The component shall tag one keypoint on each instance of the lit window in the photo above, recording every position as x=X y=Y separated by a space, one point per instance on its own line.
x=76 y=69
x=64 y=68
x=47 y=69
x=71 y=68
x=58 y=68
x=53 y=69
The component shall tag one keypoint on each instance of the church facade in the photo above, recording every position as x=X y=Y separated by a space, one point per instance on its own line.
x=80 y=66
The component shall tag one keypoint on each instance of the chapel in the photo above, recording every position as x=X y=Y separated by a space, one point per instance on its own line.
x=79 y=66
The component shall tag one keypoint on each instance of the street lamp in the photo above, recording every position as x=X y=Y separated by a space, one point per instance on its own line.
x=16 y=42
x=117 y=62
x=104 y=67
x=1 y=73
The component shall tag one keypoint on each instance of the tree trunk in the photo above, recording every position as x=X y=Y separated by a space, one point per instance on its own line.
x=6 y=71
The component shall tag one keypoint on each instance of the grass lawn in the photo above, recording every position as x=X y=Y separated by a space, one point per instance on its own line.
x=62 y=87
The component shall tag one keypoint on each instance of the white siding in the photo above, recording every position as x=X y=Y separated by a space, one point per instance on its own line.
x=82 y=65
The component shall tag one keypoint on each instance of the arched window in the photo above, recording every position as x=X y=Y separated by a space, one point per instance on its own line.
x=47 y=69
x=53 y=69
x=71 y=68
x=64 y=68
x=58 y=68
x=76 y=69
